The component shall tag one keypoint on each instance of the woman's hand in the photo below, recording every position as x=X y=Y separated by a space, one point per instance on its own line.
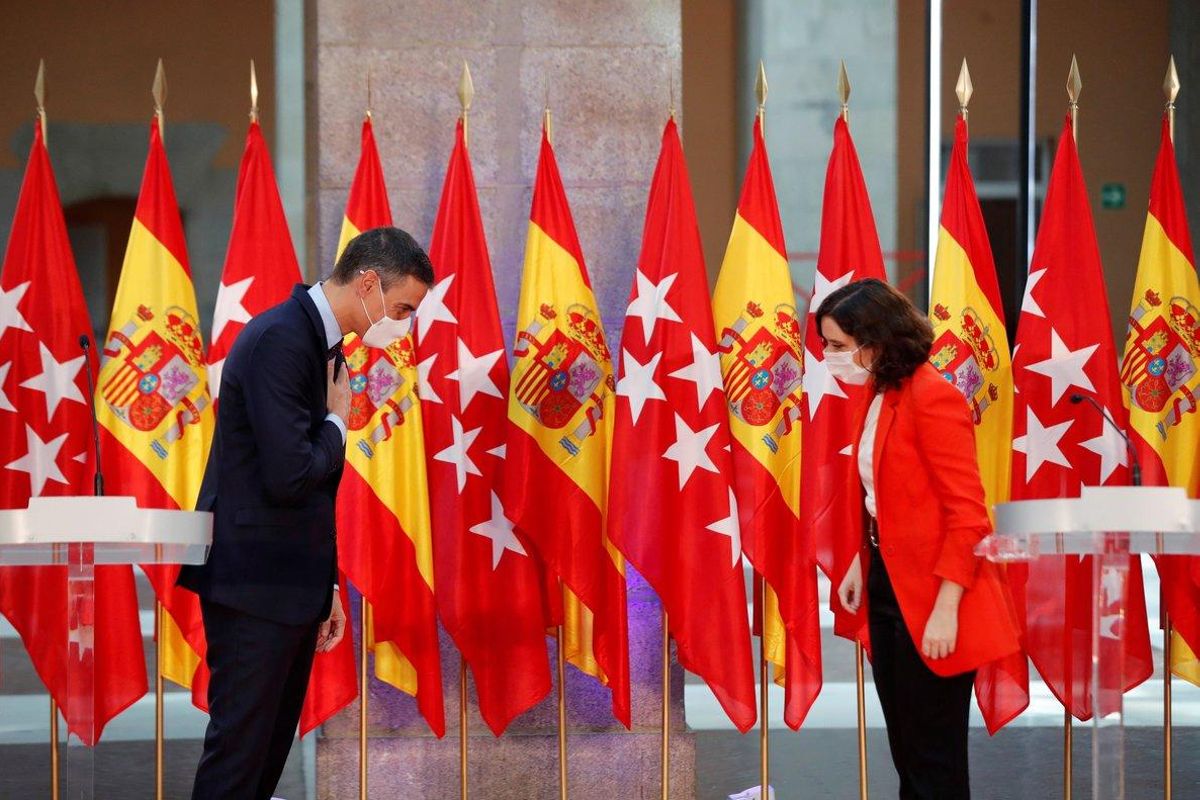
x=850 y=589
x=941 y=630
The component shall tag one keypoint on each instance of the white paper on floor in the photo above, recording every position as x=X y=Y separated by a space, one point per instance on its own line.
x=754 y=793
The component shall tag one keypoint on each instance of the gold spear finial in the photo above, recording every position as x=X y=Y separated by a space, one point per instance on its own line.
x=547 y=119
x=1171 y=90
x=843 y=88
x=964 y=89
x=1074 y=86
x=39 y=94
x=370 y=104
x=253 y=93
x=760 y=89
x=671 y=108
x=466 y=93
x=159 y=91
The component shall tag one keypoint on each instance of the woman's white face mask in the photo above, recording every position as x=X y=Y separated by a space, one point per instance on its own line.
x=842 y=366
x=384 y=330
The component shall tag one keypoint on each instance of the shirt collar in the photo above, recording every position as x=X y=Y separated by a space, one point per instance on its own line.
x=333 y=333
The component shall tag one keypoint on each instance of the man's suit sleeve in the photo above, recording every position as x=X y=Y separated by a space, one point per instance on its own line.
x=294 y=461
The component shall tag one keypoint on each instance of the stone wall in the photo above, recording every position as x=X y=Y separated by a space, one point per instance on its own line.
x=607 y=67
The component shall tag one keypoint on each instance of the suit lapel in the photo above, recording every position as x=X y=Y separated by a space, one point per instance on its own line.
x=887 y=415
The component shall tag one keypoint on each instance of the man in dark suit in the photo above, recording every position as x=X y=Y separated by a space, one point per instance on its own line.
x=267 y=589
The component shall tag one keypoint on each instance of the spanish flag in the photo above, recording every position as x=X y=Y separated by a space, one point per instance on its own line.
x=758 y=338
x=1161 y=378
x=385 y=544
x=560 y=410
x=152 y=395
x=970 y=349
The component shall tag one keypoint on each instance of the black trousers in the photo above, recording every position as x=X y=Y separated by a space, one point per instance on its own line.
x=926 y=714
x=260 y=673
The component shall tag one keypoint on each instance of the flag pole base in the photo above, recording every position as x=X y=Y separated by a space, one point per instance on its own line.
x=364 y=649
x=53 y=749
x=666 y=708
x=860 y=691
x=158 y=701
x=462 y=727
x=562 y=714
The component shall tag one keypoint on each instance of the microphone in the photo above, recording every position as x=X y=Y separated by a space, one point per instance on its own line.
x=98 y=482
x=1135 y=468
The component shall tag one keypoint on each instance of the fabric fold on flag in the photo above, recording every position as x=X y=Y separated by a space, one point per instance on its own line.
x=46 y=450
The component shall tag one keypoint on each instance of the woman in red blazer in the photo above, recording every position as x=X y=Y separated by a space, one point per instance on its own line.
x=936 y=612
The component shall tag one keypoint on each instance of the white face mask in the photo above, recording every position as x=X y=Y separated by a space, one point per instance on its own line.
x=843 y=367
x=384 y=330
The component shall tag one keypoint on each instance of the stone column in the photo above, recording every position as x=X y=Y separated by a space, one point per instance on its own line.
x=607 y=67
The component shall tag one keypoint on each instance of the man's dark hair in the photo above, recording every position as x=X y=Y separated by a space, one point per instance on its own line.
x=878 y=316
x=389 y=251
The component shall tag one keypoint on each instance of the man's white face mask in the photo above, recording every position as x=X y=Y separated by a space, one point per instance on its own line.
x=384 y=330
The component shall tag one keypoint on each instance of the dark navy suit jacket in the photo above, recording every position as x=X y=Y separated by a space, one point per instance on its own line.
x=273 y=472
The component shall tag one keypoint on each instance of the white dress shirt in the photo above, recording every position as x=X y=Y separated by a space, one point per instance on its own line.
x=333 y=336
x=866 y=452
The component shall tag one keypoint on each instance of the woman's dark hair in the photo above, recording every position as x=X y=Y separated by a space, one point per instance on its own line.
x=389 y=251
x=878 y=316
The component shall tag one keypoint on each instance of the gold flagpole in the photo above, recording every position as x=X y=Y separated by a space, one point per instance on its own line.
x=666 y=707
x=1074 y=86
x=764 y=670
x=39 y=93
x=466 y=92
x=159 y=92
x=1171 y=90
x=843 y=89
x=363 y=677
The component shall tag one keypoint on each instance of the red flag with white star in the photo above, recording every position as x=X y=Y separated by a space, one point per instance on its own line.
x=671 y=442
x=1065 y=347
x=46 y=449
x=260 y=271
x=849 y=251
x=489 y=588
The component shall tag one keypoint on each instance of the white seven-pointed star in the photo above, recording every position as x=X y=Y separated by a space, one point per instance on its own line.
x=10 y=315
x=729 y=527
x=638 y=383
x=651 y=304
x=500 y=530
x=823 y=287
x=56 y=380
x=40 y=461
x=231 y=305
x=433 y=308
x=818 y=382
x=1040 y=444
x=474 y=374
x=690 y=449
x=425 y=389
x=704 y=371
x=214 y=377
x=1111 y=448
x=5 y=403
x=1065 y=367
x=458 y=453
x=1028 y=304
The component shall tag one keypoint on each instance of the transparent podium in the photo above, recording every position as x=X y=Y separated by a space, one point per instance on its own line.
x=81 y=533
x=1109 y=523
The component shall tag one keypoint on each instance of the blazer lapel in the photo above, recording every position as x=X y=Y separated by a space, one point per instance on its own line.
x=887 y=415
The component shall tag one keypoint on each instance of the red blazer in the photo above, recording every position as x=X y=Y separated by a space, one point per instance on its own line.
x=932 y=513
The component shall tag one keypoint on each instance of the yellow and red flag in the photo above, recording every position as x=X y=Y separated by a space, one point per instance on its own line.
x=489 y=586
x=46 y=449
x=156 y=417
x=385 y=544
x=970 y=350
x=560 y=412
x=759 y=342
x=1161 y=379
x=260 y=270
